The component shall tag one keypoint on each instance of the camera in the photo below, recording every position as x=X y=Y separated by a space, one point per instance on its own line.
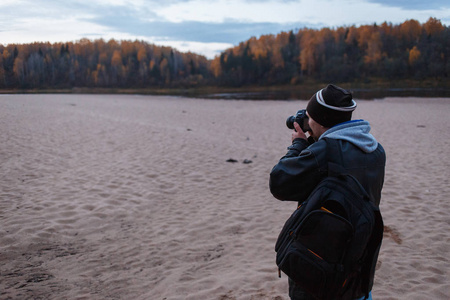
x=301 y=118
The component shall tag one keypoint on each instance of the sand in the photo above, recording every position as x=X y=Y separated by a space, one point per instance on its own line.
x=132 y=197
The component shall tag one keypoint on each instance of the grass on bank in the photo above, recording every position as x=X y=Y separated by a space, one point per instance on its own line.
x=440 y=88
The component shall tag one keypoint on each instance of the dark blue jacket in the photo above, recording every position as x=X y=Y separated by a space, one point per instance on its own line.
x=304 y=165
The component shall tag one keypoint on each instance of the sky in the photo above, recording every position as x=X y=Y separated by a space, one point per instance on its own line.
x=205 y=27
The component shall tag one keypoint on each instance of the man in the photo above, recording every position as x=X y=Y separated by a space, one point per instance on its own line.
x=305 y=164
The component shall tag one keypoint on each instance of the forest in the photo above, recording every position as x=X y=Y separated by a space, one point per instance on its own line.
x=407 y=51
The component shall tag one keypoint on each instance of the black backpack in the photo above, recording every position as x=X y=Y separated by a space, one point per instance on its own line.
x=330 y=244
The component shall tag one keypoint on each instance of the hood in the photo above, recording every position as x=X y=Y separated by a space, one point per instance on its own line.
x=355 y=132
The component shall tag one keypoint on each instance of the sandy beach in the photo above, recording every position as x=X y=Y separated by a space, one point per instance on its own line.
x=148 y=197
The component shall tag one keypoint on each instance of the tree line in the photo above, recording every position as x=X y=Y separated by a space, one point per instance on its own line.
x=410 y=50
x=121 y=64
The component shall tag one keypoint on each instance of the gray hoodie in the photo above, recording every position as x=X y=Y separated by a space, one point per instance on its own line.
x=355 y=132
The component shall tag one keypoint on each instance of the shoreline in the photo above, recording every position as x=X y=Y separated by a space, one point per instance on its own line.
x=363 y=91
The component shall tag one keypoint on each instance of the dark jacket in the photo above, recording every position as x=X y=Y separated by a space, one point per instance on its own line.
x=304 y=166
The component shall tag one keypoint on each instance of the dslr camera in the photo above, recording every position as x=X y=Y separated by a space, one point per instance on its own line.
x=301 y=118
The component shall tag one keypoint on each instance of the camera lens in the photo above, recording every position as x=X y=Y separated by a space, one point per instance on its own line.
x=290 y=122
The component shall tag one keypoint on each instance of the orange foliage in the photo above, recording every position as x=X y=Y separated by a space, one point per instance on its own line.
x=142 y=54
x=433 y=26
x=410 y=30
x=116 y=59
x=308 y=44
x=414 y=55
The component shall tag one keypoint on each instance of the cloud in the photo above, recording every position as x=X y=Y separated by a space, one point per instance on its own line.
x=229 y=31
x=415 y=4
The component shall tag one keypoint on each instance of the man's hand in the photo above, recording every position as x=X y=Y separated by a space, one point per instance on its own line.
x=298 y=133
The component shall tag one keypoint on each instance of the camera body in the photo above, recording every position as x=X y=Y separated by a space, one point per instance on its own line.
x=301 y=118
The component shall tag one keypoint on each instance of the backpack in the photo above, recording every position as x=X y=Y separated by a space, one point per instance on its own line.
x=330 y=244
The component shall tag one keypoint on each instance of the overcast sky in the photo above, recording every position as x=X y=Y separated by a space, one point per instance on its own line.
x=202 y=26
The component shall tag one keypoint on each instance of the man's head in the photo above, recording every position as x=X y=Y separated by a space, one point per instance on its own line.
x=330 y=106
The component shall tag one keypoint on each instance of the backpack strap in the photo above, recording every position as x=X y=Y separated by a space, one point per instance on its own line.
x=334 y=158
x=335 y=162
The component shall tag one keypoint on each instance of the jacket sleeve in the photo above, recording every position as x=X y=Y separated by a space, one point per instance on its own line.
x=298 y=172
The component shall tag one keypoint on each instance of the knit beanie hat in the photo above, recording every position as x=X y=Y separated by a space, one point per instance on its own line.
x=331 y=105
